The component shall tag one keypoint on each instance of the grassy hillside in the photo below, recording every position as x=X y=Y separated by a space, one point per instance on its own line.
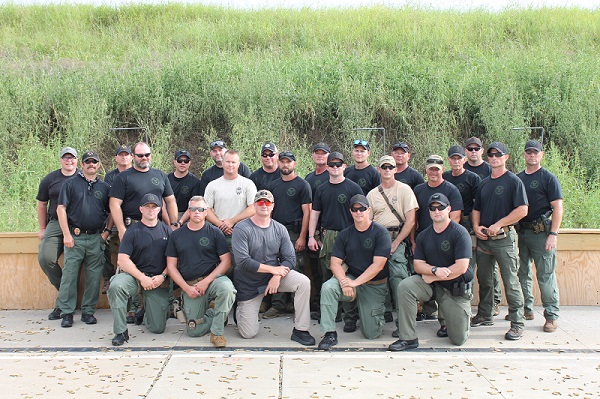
x=193 y=73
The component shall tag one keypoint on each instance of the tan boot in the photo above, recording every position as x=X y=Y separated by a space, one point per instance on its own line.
x=218 y=341
x=550 y=326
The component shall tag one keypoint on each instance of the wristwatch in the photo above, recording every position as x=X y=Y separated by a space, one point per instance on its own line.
x=553 y=233
x=433 y=270
x=106 y=230
x=164 y=275
x=177 y=224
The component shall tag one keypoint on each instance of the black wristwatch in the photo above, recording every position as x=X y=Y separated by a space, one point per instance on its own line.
x=433 y=270
x=553 y=233
x=176 y=224
x=106 y=230
x=164 y=275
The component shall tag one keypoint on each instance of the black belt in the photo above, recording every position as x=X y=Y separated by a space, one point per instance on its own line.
x=76 y=231
x=393 y=228
x=526 y=225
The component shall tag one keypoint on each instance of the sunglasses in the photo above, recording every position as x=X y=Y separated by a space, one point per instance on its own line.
x=68 y=158
x=89 y=161
x=264 y=202
x=434 y=208
x=265 y=155
x=473 y=149
x=495 y=154
x=360 y=208
x=337 y=164
x=181 y=160
x=197 y=209
x=147 y=155
x=435 y=161
x=388 y=167
x=217 y=143
x=529 y=152
x=363 y=143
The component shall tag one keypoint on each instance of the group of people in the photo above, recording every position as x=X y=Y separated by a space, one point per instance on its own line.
x=352 y=243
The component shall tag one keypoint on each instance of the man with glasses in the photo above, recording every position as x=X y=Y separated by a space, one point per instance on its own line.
x=360 y=273
x=442 y=263
x=330 y=204
x=217 y=152
x=434 y=167
x=184 y=183
x=197 y=260
x=538 y=234
x=394 y=206
x=404 y=173
x=82 y=214
x=500 y=203
x=142 y=264
x=50 y=234
x=265 y=261
x=362 y=173
x=269 y=171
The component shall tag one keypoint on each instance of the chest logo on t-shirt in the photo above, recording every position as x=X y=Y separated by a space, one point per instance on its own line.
x=317 y=183
x=534 y=184
x=461 y=187
x=362 y=182
x=445 y=246
x=238 y=190
x=499 y=190
x=185 y=190
x=342 y=198
x=291 y=192
x=155 y=181
x=204 y=241
x=98 y=194
x=368 y=243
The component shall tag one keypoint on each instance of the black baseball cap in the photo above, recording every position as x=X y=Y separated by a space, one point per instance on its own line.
x=500 y=147
x=90 y=155
x=322 y=147
x=533 y=145
x=182 y=153
x=439 y=198
x=359 y=199
x=473 y=140
x=403 y=146
x=456 y=150
x=288 y=155
x=335 y=155
x=123 y=148
x=362 y=143
x=269 y=146
x=151 y=199
x=218 y=143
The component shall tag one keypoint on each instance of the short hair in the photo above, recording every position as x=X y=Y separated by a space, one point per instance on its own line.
x=197 y=198
x=231 y=152
x=138 y=144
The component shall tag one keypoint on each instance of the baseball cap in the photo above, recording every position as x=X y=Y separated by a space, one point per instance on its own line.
x=68 y=150
x=269 y=146
x=90 y=155
x=439 y=198
x=287 y=154
x=362 y=143
x=359 y=199
x=151 y=199
x=123 y=148
x=387 y=159
x=500 y=147
x=182 y=153
x=217 y=143
x=533 y=145
x=264 y=194
x=456 y=150
x=473 y=140
x=335 y=155
x=403 y=146
x=434 y=161
x=322 y=147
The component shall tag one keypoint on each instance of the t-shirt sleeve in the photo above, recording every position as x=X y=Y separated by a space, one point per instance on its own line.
x=43 y=194
x=241 y=251
x=339 y=245
x=126 y=246
x=117 y=190
x=463 y=245
x=63 y=196
x=171 y=249
x=221 y=242
x=209 y=195
x=519 y=193
x=383 y=245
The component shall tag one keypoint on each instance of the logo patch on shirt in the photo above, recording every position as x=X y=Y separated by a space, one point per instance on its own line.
x=362 y=182
x=534 y=184
x=98 y=194
x=291 y=192
x=342 y=198
x=204 y=241
x=238 y=190
x=445 y=245
x=461 y=187
x=155 y=181
x=499 y=190
x=185 y=190
x=368 y=243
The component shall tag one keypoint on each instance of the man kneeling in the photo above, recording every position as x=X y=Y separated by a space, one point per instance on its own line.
x=364 y=247
x=197 y=259
x=442 y=263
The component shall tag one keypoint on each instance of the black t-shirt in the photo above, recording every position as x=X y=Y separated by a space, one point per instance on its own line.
x=333 y=201
x=467 y=184
x=498 y=197
x=262 y=179
x=410 y=176
x=198 y=251
x=86 y=202
x=424 y=191
x=357 y=248
x=214 y=172
x=110 y=176
x=367 y=178
x=315 y=180
x=49 y=190
x=184 y=189
x=483 y=170
x=146 y=247
x=289 y=198
x=542 y=188
x=131 y=185
x=445 y=248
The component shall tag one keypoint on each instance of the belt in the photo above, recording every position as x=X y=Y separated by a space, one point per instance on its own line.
x=77 y=231
x=129 y=221
x=195 y=280
x=393 y=228
x=526 y=225
x=377 y=282
x=324 y=231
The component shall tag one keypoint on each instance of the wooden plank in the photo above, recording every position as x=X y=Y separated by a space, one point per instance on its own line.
x=19 y=243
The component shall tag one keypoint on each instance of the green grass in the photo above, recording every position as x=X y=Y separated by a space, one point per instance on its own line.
x=194 y=73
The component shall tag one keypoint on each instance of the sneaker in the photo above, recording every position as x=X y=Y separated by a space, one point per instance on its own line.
x=264 y=306
x=482 y=321
x=388 y=317
x=442 y=332
x=272 y=313
x=496 y=309
x=55 y=314
x=89 y=319
x=350 y=326
x=528 y=316
x=422 y=316
x=130 y=318
x=289 y=308
x=403 y=344
x=105 y=286
x=218 y=341
x=302 y=337
x=329 y=340
x=120 y=339
x=550 y=326
x=515 y=333
x=67 y=320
